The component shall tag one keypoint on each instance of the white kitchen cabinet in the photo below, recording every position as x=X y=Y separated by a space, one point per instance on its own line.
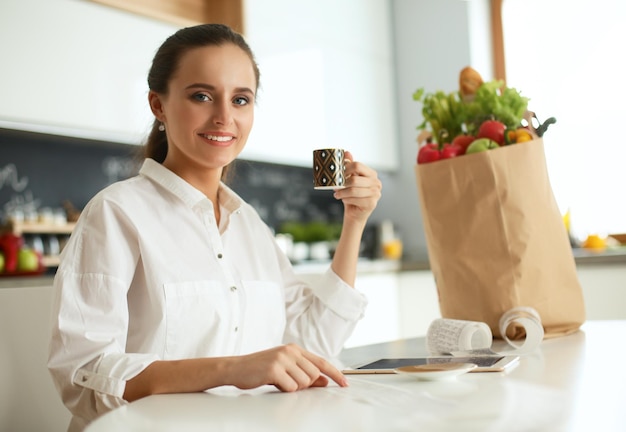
x=76 y=68
x=418 y=302
x=28 y=399
x=381 y=322
x=604 y=290
x=402 y=304
x=327 y=80
x=326 y=67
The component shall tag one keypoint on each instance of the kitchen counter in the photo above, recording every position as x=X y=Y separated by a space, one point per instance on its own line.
x=583 y=257
x=564 y=386
x=26 y=281
x=366 y=266
x=610 y=256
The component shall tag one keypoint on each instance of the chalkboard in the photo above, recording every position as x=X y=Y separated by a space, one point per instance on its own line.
x=282 y=193
x=42 y=170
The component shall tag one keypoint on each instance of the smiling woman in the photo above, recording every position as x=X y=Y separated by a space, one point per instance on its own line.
x=174 y=251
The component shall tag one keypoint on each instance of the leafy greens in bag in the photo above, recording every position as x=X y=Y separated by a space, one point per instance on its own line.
x=449 y=115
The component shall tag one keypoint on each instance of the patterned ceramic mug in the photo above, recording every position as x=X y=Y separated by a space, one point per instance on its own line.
x=328 y=169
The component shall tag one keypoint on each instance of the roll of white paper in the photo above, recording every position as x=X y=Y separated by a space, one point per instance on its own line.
x=530 y=320
x=460 y=337
x=448 y=335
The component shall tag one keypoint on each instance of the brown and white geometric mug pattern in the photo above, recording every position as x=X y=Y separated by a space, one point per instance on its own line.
x=328 y=169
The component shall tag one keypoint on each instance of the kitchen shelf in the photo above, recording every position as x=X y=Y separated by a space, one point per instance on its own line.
x=19 y=228
x=50 y=260
x=44 y=229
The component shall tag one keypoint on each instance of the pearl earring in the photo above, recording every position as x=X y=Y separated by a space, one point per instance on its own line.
x=161 y=127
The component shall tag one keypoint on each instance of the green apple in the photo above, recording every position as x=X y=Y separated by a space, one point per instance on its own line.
x=1 y=262
x=480 y=145
x=27 y=260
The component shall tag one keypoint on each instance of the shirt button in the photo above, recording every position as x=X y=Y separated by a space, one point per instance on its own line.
x=219 y=255
x=236 y=329
x=233 y=288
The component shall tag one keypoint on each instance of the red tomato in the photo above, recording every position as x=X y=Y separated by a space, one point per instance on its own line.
x=428 y=153
x=450 y=150
x=431 y=152
x=492 y=129
x=463 y=141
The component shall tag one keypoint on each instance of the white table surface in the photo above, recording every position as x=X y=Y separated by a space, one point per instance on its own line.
x=573 y=383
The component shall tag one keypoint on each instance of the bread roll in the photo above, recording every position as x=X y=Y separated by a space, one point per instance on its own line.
x=469 y=81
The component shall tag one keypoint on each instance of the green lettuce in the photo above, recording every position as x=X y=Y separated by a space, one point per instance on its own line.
x=447 y=115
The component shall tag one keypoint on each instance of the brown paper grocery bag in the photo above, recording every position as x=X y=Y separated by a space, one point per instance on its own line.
x=496 y=238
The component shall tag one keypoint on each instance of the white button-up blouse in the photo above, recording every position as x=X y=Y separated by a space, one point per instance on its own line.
x=148 y=275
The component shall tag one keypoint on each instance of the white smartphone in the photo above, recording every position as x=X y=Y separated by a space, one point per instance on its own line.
x=387 y=365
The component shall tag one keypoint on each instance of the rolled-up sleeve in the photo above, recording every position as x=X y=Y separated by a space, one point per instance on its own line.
x=87 y=359
x=340 y=297
x=322 y=316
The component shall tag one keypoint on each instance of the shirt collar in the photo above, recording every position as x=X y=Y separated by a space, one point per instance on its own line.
x=183 y=190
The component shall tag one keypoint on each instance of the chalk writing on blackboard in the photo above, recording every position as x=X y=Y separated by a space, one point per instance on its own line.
x=21 y=200
x=118 y=168
x=10 y=178
x=24 y=203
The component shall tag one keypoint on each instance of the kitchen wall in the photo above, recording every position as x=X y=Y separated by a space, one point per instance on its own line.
x=433 y=41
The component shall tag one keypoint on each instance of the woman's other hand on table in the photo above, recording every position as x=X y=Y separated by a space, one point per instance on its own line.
x=289 y=368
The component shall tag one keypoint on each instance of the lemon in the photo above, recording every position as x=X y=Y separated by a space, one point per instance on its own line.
x=392 y=249
x=567 y=220
x=522 y=135
x=595 y=242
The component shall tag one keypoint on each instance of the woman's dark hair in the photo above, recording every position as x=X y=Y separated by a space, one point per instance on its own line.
x=166 y=61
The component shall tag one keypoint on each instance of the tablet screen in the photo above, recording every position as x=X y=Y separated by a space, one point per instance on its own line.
x=399 y=362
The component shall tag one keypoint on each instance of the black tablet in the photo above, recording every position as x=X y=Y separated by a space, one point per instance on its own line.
x=387 y=365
